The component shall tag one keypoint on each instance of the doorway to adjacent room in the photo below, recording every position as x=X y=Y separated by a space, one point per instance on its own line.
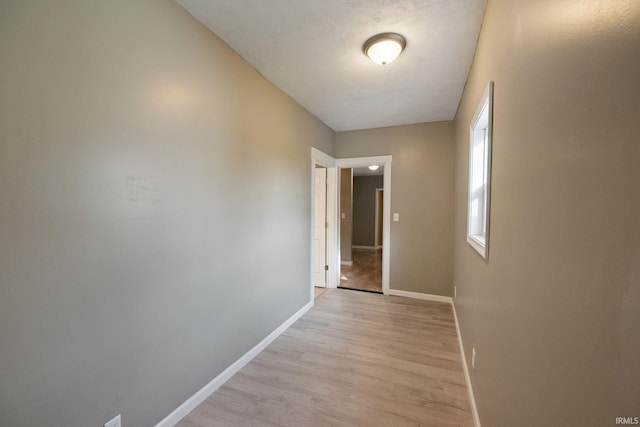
x=361 y=221
x=333 y=214
x=364 y=195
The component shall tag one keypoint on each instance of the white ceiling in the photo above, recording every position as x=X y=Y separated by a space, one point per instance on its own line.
x=312 y=50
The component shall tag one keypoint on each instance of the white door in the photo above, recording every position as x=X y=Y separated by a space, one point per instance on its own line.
x=320 y=233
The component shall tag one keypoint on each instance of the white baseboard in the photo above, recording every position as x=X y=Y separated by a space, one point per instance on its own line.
x=467 y=377
x=346 y=262
x=191 y=403
x=368 y=248
x=417 y=295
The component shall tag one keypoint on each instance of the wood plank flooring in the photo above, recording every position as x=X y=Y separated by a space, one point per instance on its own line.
x=366 y=271
x=319 y=291
x=355 y=359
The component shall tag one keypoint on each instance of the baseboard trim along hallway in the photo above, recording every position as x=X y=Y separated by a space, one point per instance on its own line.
x=417 y=295
x=467 y=377
x=206 y=391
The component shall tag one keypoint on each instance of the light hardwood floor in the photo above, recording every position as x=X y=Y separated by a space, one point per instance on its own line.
x=319 y=291
x=366 y=271
x=355 y=359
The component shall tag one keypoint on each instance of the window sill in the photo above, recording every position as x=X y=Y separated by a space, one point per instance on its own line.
x=478 y=243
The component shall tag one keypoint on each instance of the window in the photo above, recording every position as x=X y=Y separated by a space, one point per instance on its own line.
x=480 y=174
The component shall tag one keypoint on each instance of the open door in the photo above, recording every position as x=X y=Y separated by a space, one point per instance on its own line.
x=320 y=228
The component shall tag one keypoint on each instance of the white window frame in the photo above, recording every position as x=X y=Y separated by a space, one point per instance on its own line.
x=479 y=201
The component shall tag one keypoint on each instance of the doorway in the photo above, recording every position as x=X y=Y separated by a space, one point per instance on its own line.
x=318 y=158
x=361 y=231
x=365 y=261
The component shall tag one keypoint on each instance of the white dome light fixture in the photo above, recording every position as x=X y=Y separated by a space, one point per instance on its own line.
x=384 y=48
x=374 y=167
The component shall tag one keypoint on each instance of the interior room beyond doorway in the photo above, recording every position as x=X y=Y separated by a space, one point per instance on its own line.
x=361 y=217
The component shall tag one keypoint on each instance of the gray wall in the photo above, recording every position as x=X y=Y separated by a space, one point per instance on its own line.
x=421 y=246
x=554 y=314
x=364 y=209
x=346 y=209
x=136 y=150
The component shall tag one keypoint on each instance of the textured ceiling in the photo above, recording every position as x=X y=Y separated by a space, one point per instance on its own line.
x=312 y=50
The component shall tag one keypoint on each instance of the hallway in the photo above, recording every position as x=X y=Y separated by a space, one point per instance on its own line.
x=354 y=359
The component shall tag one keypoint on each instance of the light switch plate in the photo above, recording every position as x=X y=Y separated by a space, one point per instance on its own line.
x=396 y=217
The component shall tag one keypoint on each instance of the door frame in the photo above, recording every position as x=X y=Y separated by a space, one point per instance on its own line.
x=333 y=255
x=355 y=162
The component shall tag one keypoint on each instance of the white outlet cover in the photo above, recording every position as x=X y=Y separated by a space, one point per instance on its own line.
x=116 y=422
x=396 y=217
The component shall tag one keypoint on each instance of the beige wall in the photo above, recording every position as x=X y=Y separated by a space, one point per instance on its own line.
x=554 y=314
x=346 y=209
x=364 y=209
x=155 y=213
x=421 y=246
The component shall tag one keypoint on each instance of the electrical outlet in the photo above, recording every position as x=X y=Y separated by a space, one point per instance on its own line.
x=473 y=358
x=114 y=422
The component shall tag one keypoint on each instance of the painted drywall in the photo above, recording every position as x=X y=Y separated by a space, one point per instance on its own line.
x=380 y=216
x=346 y=214
x=553 y=314
x=421 y=244
x=364 y=209
x=136 y=263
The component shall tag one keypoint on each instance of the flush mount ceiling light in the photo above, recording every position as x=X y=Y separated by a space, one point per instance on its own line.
x=374 y=167
x=384 y=48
